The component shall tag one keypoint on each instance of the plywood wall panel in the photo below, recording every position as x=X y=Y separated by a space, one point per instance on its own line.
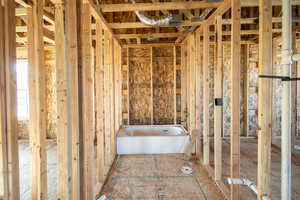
x=163 y=85
x=139 y=86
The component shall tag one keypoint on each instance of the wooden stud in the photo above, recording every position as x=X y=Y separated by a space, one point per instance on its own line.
x=206 y=95
x=72 y=61
x=246 y=91
x=127 y=83
x=183 y=85
x=218 y=109
x=4 y=183
x=99 y=103
x=107 y=124
x=112 y=98
x=198 y=105
x=88 y=128
x=37 y=93
x=63 y=121
x=264 y=99
x=151 y=84
x=235 y=96
x=175 y=87
x=11 y=100
x=198 y=84
x=192 y=85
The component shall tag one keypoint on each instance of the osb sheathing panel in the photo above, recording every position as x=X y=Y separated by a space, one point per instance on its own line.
x=139 y=86
x=163 y=85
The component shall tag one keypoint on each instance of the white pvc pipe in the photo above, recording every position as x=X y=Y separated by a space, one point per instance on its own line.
x=286 y=101
x=245 y=182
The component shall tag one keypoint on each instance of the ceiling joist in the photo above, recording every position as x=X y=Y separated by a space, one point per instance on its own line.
x=158 y=6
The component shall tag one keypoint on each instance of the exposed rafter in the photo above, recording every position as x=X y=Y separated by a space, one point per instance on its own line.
x=158 y=6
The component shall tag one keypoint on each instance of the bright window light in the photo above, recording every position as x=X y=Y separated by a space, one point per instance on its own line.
x=22 y=90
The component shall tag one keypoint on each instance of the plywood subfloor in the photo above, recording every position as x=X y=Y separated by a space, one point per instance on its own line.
x=25 y=171
x=158 y=177
x=249 y=169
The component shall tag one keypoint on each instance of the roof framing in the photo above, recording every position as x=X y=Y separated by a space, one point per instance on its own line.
x=158 y=6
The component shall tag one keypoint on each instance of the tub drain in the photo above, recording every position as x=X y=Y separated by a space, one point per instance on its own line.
x=187 y=170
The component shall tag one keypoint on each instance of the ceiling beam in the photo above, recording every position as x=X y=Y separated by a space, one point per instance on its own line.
x=254 y=3
x=148 y=35
x=122 y=25
x=178 y=5
x=158 y=6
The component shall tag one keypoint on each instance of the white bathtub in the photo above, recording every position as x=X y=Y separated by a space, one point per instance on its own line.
x=152 y=139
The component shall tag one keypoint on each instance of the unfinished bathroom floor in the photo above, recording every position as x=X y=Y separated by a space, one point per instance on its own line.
x=249 y=169
x=158 y=177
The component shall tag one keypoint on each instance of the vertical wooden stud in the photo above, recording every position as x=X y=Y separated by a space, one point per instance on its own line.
x=37 y=121
x=99 y=104
x=206 y=95
x=264 y=99
x=88 y=128
x=151 y=84
x=72 y=62
x=107 y=124
x=183 y=85
x=235 y=96
x=218 y=109
x=3 y=120
x=174 y=82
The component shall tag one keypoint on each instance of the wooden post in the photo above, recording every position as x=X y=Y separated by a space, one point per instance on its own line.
x=151 y=84
x=72 y=17
x=3 y=133
x=246 y=91
x=218 y=109
x=183 y=86
x=174 y=82
x=206 y=95
x=264 y=99
x=67 y=102
x=235 y=95
x=37 y=94
x=198 y=83
x=107 y=113
x=192 y=85
x=87 y=104
x=63 y=122
x=99 y=104
x=112 y=98
x=128 y=91
x=11 y=100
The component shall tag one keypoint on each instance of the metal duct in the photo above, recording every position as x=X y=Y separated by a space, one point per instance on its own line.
x=166 y=20
x=203 y=15
x=201 y=18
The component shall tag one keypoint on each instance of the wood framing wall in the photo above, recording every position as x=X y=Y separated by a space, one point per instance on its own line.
x=151 y=82
x=75 y=85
